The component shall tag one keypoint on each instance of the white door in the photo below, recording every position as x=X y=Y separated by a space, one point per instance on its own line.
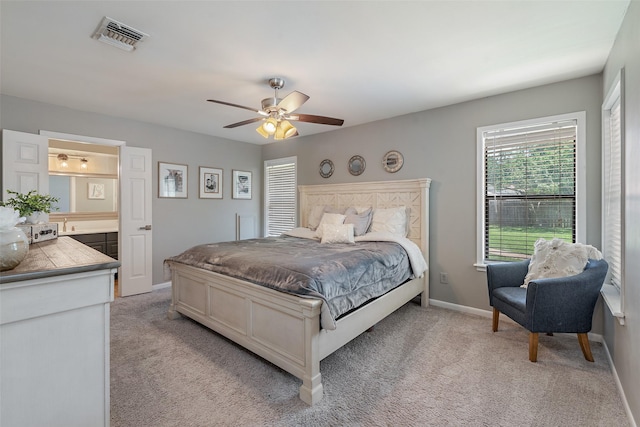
x=25 y=163
x=135 y=248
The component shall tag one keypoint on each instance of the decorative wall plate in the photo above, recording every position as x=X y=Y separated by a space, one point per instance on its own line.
x=392 y=161
x=356 y=165
x=326 y=168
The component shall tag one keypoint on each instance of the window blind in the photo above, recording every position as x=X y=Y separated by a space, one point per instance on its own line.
x=280 y=203
x=530 y=188
x=612 y=193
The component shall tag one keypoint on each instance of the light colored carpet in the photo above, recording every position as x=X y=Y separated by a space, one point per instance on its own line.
x=418 y=367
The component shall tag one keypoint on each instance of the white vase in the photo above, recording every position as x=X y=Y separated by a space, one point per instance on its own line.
x=38 y=218
x=14 y=246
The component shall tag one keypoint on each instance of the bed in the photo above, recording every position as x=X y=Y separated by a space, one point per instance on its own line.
x=283 y=328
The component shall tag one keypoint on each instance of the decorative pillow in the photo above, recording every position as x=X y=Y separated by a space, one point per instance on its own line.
x=337 y=233
x=557 y=258
x=329 y=218
x=360 y=220
x=315 y=215
x=302 y=232
x=361 y=209
x=392 y=220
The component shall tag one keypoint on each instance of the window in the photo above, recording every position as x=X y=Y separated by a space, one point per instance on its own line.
x=612 y=196
x=280 y=195
x=529 y=186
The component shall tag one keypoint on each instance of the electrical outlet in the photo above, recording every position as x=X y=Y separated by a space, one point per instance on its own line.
x=444 y=278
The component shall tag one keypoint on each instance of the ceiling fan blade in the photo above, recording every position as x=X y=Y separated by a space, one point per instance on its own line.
x=293 y=101
x=245 y=122
x=234 y=105
x=310 y=118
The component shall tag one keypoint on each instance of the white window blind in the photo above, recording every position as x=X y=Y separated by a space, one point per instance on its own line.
x=612 y=192
x=281 y=196
x=529 y=187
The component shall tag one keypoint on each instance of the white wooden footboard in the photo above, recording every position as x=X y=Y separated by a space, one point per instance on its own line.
x=279 y=327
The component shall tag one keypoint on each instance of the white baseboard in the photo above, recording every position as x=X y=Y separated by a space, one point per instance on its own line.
x=593 y=337
x=161 y=286
x=627 y=408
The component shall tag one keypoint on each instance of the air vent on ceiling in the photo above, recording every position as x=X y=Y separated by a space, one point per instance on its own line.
x=118 y=34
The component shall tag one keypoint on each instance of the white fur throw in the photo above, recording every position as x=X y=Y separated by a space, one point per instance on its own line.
x=557 y=258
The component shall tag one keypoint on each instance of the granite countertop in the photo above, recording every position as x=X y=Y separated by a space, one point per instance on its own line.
x=63 y=255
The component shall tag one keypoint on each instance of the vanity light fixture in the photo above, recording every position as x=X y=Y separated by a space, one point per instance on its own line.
x=63 y=160
x=84 y=164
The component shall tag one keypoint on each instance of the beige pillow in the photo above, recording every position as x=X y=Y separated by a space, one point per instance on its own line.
x=315 y=215
x=557 y=258
x=337 y=233
x=391 y=220
x=329 y=218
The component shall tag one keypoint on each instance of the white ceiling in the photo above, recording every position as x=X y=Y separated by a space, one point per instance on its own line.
x=357 y=60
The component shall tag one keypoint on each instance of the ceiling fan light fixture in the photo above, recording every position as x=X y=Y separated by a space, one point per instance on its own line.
x=262 y=132
x=285 y=130
x=270 y=125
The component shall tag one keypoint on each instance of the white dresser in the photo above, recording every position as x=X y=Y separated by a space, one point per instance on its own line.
x=54 y=337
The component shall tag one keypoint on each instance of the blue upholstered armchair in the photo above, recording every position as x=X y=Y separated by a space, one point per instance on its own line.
x=547 y=305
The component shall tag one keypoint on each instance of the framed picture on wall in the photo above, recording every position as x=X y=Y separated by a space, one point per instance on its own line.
x=172 y=180
x=241 y=183
x=210 y=183
x=96 y=191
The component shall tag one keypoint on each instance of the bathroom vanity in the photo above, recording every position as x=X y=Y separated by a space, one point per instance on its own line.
x=54 y=320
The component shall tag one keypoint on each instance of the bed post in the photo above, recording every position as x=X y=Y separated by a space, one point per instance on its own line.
x=172 y=313
x=425 y=185
x=311 y=390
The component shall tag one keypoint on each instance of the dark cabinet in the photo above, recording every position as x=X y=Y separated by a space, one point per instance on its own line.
x=112 y=245
x=107 y=243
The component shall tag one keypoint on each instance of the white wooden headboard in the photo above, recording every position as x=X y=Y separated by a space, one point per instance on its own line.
x=413 y=193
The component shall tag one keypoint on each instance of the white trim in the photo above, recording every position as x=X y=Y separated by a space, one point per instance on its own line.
x=581 y=176
x=81 y=138
x=613 y=298
x=159 y=286
x=616 y=378
x=613 y=295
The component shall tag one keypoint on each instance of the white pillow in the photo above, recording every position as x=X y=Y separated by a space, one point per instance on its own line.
x=329 y=218
x=315 y=215
x=337 y=233
x=557 y=258
x=392 y=220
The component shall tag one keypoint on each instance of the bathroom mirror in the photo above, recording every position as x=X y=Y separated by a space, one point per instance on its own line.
x=326 y=168
x=84 y=177
x=356 y=165
x=84 y=193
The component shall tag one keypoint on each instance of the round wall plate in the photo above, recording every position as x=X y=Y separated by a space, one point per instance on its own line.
x=356 y=165
x=392 y=161
x=326 y=168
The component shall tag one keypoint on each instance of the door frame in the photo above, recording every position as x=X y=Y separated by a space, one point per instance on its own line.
x=100 y=141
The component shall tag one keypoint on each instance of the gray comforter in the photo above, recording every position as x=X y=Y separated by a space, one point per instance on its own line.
x=343 y=275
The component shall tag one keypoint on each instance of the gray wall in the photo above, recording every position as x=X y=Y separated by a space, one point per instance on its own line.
x=177 y=223
x=441 y=144
x=624 y=341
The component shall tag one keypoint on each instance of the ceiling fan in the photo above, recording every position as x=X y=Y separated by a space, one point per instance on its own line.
x=275 y=113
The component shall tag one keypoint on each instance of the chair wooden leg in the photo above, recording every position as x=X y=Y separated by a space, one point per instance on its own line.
x=583 y=339
x=496 y=317
x=533 y=346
